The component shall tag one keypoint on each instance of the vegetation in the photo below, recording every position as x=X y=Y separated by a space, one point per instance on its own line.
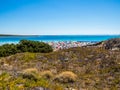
x=87 y=68
x=66 y=77
x=7 y=82
x=47 y=74
x=24 y=46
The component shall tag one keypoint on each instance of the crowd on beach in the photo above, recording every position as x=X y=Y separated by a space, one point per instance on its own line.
x=67 y=44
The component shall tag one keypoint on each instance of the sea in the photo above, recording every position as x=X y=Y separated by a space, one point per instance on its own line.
x=56 y=38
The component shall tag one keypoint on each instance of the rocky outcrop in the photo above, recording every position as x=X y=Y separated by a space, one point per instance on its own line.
x=112 y=44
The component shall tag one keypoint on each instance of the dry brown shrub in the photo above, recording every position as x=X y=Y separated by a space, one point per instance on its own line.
x=30 y=70
x=30 y=73
x=47 y=74
x=66 y=77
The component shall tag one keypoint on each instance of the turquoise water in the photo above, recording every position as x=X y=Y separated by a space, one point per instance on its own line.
x=49 y=38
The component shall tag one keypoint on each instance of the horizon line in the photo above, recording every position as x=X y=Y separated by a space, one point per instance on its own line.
x=55 y=34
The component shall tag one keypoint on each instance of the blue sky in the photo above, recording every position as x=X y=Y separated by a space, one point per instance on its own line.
x=59 y=17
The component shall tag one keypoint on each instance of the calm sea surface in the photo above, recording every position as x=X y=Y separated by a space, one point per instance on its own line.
x=49 y=38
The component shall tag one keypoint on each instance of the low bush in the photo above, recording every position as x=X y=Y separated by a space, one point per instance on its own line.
x=47 y=74
x=29 y=82
x=30 y=73
x=34 y=46
x=24 y=46
x=28 y=56
x=30 y=70
x=8 y=49
x=66 y=77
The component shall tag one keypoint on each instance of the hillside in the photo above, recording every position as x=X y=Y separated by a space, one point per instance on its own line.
x=86 y=68
x=111 y=44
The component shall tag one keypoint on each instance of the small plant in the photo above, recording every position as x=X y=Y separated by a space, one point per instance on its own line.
x=30 y=70
x=28 y=56
x=30 y=73
x=66 y=77
x=47 y=74
x=56 y=87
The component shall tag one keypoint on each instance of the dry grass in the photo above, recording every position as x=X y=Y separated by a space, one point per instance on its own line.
x=30 y=70
x=30 y=73
x=66 y=77
x=92 y=66
x=47 y=74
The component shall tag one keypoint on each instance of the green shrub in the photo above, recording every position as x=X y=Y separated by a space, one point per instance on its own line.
x=4 y=81
x=24 y=46
x=34 y=46
x=28 y=56
x=8 y=49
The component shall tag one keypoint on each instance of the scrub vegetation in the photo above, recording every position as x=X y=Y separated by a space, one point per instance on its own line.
x=86 y=68
x=24 y=46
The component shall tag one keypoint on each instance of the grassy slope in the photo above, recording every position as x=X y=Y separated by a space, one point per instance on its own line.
x=96 y=68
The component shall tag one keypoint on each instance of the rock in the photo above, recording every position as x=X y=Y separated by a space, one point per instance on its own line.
x=40 y=88
x=112 y=44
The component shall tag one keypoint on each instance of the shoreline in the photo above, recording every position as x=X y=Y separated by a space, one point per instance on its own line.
x=68 y=44
x=58 y=45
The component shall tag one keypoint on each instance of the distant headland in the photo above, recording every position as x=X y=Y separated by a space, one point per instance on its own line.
x=16 y=35
x=59 y=35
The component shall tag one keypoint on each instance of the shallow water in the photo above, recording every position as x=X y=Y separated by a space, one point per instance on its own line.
x=50 y=38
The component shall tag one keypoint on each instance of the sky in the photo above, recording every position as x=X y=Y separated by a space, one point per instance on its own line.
x=60 y=17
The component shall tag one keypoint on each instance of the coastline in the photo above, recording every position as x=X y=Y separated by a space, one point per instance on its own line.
x=68 y=44
x=58 y=41
x=58 y=45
